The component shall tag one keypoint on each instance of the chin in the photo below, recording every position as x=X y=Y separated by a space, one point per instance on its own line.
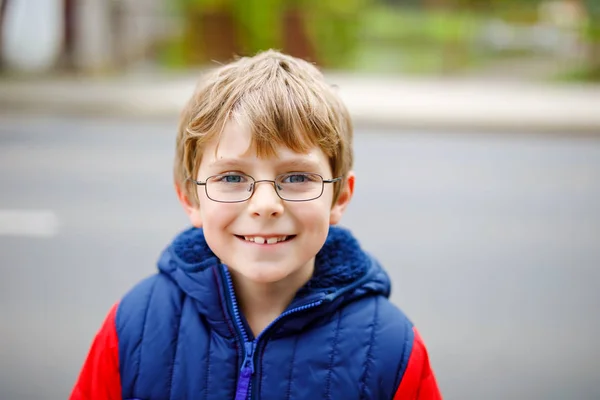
x=266 y=275
x=264 y=271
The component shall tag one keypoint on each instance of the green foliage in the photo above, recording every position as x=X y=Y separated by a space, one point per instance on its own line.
x=411 y=40
x=359 y=34
x=259 y=23
x=172 y=53
x=584 y=74
x=592 y=27
x=335 y=27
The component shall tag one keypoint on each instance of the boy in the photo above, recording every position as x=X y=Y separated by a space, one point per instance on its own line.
x=264 y=298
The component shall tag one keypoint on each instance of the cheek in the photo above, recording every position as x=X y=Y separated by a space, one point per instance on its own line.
x=313 y=215
x=217 y=215
x=314 y=224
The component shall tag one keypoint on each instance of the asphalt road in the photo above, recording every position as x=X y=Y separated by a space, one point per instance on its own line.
x=492 y=242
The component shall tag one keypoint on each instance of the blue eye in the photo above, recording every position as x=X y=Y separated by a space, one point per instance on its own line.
x=299 y=178
x=231 y=178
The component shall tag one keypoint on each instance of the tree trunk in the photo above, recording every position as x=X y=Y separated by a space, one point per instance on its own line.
x=296 y=40
x=211 y=37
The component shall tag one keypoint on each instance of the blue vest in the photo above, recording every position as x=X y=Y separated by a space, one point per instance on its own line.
x=182 y=336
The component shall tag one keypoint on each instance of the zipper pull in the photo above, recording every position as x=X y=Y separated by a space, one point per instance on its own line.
x=243 y=385
x=249 y=359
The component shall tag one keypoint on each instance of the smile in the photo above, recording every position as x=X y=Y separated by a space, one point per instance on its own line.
x=266 y=240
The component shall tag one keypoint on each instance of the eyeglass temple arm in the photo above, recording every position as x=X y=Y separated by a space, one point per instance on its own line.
x=197 y=182
x=332 y=180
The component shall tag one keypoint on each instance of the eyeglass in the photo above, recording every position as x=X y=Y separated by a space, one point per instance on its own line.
x=292 y=186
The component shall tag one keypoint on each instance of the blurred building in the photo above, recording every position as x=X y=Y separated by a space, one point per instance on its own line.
x=95 y=35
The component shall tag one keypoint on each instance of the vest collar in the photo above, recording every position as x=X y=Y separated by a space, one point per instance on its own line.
x=343 y=272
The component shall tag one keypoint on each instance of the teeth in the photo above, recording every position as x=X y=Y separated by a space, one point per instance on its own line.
x=262 y=240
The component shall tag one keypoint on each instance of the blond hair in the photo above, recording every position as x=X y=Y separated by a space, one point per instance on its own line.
x=284 y=101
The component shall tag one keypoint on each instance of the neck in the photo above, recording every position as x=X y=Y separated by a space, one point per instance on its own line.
x=261 y=303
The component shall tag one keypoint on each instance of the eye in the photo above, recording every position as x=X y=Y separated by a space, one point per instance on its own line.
x=298 y=178
x=231 y=178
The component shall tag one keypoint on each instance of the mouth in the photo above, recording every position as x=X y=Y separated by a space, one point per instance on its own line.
x=266 y=240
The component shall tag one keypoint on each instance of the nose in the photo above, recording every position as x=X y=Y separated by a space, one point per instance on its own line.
x=265 y=201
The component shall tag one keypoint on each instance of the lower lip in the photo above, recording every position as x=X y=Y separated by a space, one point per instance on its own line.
x=265 y=244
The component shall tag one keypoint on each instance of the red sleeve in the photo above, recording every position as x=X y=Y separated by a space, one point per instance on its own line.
x=99 y=378
x=418 y=382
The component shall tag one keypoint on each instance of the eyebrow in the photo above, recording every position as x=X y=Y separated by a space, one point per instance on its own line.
x=227 y=163
x=297 y=164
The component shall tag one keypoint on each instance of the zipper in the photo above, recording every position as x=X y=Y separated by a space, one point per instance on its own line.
x=244 y=381
x=244 y=386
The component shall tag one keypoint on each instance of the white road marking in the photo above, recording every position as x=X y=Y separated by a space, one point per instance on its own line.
x=30 y=223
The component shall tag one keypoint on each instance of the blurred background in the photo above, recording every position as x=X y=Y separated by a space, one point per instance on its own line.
x=477 y=157
x=533 y=39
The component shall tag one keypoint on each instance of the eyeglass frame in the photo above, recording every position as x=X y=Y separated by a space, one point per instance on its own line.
x=272 y=181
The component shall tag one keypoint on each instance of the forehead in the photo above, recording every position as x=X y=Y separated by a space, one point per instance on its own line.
x=235 y=146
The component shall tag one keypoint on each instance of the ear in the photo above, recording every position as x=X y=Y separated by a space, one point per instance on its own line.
x=339 y=207
x=192 y=211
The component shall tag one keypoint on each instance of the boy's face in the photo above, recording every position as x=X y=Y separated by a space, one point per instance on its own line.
x=228 y=226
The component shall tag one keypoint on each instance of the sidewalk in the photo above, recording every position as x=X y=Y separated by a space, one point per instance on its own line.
x=392 y=102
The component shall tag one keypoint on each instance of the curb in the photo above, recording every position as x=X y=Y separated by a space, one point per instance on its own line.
x=391 y=104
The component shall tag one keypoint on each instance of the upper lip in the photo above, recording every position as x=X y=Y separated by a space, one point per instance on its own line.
x=266 y=235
